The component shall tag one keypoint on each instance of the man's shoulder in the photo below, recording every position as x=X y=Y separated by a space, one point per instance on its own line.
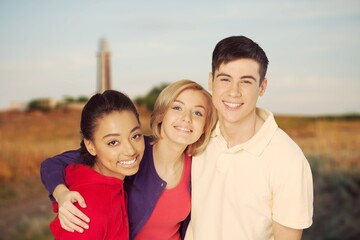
x=282 y=140
x=284 y=151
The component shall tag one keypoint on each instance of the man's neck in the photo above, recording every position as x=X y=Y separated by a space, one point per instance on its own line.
x=242 y=131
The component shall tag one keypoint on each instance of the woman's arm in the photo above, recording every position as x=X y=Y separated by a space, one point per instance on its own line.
x=53 y=177
x=52 y=170
x=70 y=217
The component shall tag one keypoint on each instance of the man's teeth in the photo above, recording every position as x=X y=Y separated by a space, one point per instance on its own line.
x=129 y=162
x=232 y=105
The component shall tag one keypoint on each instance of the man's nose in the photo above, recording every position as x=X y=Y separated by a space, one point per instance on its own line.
x=235 y=90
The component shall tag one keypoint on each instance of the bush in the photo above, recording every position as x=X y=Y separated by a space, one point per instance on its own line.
x=149 y=99
x=41 y=104
x=336 y=202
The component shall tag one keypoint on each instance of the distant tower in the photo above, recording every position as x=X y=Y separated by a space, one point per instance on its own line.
x=104 y=73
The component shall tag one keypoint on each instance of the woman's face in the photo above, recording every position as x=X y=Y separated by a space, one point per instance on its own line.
x=118 y=144
x=185 y=119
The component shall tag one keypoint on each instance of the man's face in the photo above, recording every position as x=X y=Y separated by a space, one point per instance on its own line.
x=235 y=90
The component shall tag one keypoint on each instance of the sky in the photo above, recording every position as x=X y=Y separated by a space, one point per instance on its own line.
x=48 y=48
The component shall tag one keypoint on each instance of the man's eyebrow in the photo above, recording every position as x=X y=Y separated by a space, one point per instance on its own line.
x=248 y=76
x=223 y=75
x=242 y=77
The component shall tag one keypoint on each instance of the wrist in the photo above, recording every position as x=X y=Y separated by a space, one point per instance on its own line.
x=58 y=191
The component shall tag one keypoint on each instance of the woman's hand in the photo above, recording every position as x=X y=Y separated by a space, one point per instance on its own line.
x=71 y=218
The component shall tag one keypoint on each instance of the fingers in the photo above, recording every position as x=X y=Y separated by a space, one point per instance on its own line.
x=69 y=226
x=76 y=213
x=72 y=219
x=78 y=198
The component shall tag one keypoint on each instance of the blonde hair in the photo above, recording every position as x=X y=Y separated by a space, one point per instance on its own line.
x=163 y=103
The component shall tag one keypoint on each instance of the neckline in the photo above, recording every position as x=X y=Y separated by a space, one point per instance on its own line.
x=185 y=168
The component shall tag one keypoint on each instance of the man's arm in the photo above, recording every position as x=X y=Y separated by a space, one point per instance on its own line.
x=285 y=233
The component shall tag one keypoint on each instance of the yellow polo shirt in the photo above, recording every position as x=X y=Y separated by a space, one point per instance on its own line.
x=237 y=192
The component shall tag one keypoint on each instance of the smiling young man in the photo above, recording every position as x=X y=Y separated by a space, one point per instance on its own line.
x=252 y=182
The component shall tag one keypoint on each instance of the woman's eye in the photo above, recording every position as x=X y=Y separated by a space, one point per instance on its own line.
x=176 y=108
x=113 y=143
x=137 y=136
x=200 y=114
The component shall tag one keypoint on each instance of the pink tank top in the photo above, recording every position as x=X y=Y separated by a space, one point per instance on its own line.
x=172 y=208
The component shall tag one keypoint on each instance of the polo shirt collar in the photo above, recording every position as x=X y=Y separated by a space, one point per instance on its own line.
x=255 y=145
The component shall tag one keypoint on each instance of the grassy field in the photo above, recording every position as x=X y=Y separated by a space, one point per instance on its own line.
x=332 y=146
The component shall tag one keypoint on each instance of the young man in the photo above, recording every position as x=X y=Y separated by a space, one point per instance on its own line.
x=252 y=182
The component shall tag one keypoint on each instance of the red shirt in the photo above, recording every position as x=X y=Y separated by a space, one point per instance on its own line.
x=106 y=206
x=172 y=208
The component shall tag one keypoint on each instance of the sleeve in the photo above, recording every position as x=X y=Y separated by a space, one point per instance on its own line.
x=98 y=205
x=95 y=232
x=52 y=170
x=293 y=193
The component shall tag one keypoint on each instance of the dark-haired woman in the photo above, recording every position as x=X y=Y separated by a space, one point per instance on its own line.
x=112 y=148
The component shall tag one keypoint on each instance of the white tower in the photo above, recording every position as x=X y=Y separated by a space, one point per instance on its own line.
x=104 y=73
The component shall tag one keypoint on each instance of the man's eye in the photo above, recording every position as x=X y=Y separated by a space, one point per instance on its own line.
x=247 y=82
x=224 y=80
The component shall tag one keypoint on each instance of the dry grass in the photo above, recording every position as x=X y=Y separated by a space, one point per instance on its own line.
x=26 y=139
x=337 y=140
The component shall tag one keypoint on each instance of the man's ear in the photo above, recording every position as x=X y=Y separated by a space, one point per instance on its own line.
x=90 y=147
x=263 y=87
x=210 y=81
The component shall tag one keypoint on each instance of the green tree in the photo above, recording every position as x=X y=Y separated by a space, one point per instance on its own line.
x=68 y=99
x=149 y=99
x=82 y=99
x=42 y=104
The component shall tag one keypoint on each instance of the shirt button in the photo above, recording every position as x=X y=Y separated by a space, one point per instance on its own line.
x=162 y=184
